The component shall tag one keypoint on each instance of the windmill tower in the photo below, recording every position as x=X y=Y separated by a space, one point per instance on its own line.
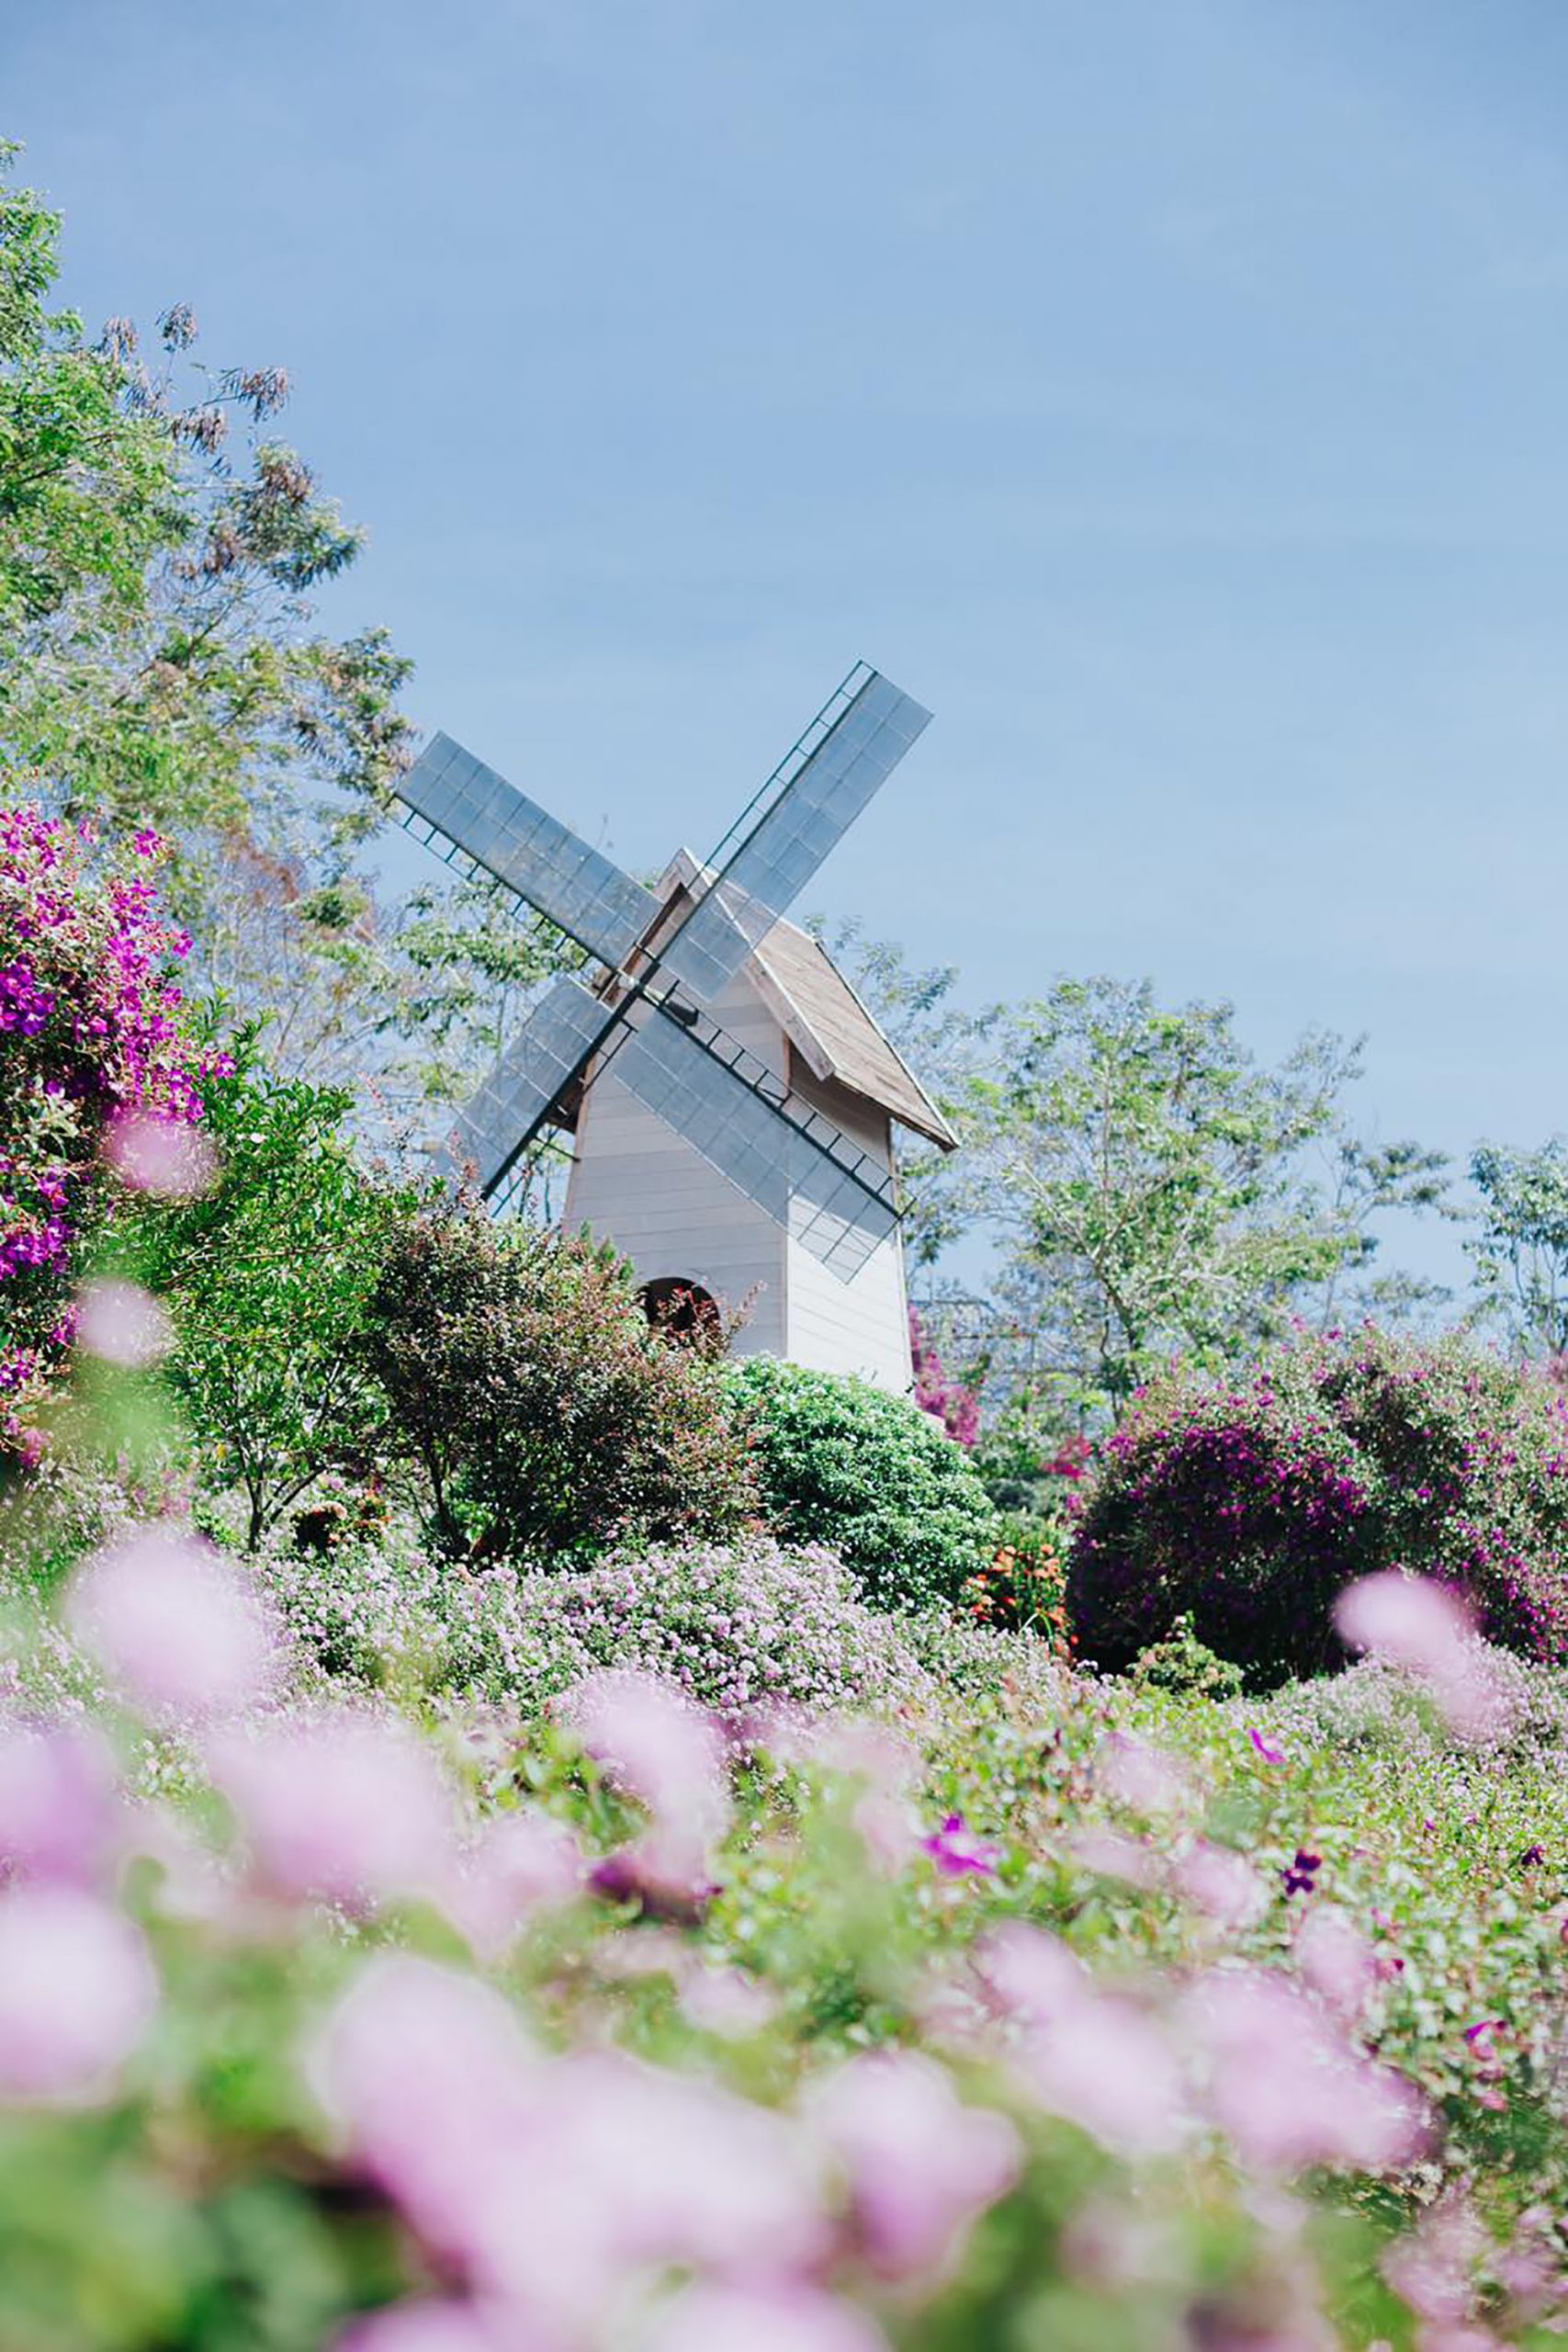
x=732 y=1102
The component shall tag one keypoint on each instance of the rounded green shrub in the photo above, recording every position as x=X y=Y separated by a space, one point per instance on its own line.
x=869 y=1475
x=1247 y=1506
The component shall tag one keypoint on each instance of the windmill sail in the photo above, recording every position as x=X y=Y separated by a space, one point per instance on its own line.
x=584 y=893
x=798 y=1168
x=840 y=764
x=806 y=1183
x=559 y=1037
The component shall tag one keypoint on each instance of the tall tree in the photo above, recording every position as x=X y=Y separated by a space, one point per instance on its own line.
x=1520 y=1253
x=1154 y=1189
x=161 y=661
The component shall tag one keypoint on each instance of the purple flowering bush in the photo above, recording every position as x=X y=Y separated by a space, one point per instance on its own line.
x=743 y=1628
x=1246 y=1506
x=94 y=1048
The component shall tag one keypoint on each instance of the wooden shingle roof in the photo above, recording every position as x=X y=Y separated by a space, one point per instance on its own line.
x=826 y=1022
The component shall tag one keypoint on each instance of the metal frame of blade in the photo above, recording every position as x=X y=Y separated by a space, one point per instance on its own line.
x=494 y=829
x=845 y=757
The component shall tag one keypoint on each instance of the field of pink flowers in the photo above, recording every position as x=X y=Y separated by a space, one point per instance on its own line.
x=997 y=2007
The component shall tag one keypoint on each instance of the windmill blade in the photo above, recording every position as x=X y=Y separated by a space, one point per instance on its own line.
x=835 y=1200
x=813 y=796
x=558 y=1038
x=495 y=826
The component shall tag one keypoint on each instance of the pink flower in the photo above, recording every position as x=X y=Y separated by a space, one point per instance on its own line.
x=1139 y=1776
x=146 y=843
x=123 y=1324
x=710 y=2318
x=425 y=2325
x=1335 y=1960
x=1417 y=1625
x=341 y=1807
x=181 y=1631
x=957 y=1852
x=77 y=1992
x=1098 y=2060
x=429 y=2079
x=920 y=2165
x=165 y=1157
x=1265 y=1747
x=1111 y=1853
x=1289 y=2088
x=60 y=1813
x=1222 y=1883
x=523 y=1864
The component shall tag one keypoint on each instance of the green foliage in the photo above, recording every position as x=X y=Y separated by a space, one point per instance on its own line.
x=268 y=1279
x=1521 y=1254
x=1154 y=1189
x=161 y=661
x=543 y=1415
x=1182 y=1662
x=870 y=1476
x=1247 y=1506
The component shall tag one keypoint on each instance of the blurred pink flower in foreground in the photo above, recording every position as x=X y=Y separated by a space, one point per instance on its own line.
x=1095 y=2058
x=884 y=1814
x=1335 y=1959
x=1138 y=1775
x=549 y=2184
x=166 y=1158
x=1417 y=1624
x=1287 y=2086
x=59 y=1812
x=343 y=1806
x=523 y=1863
x=427 y=2074
x=1222 y=1884
x=666 y=1752
x=77 y=1991
x=184 y=1634
x=920 y=2165
x=731 y=2319
x=123 y=1324
x=430 y=2327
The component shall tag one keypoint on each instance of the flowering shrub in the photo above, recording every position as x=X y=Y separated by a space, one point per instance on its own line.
x=1022 y=1584
x=1249 y=1507
x=542 y=1414
x=742 y=1627
x=93 y=1053
x=954 y=1404
x=625 y=2053
x=843 y=1464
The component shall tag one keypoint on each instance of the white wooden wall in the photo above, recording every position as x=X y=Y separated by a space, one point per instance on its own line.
x=636 y=1183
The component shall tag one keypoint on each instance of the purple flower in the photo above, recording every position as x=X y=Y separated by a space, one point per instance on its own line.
x=1300 y=1877
x=1265 y=1747
x=957 y=1852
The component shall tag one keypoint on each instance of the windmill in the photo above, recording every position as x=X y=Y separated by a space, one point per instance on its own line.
x=666 y=958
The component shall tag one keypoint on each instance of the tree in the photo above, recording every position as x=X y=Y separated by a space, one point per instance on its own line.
x=524 y=1385
x=1521 y=1255
x=267 y=1278
x=1153 y=1188
x=161 y=662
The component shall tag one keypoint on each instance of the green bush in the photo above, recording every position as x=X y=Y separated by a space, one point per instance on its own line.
x=1249 y=1507
x=542 y=1415
x=872 y=1477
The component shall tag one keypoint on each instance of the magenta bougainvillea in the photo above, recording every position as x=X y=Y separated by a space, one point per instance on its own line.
x=93 y=1038
x=1249 y=1505
x=949 y=1401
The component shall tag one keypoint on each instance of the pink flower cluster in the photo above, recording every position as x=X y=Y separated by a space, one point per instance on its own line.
x=91 y=1016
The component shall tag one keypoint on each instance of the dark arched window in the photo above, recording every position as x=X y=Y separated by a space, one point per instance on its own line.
x=683 y=1310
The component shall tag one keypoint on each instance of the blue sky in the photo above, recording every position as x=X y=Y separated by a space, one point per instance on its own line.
x=1171 y=394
